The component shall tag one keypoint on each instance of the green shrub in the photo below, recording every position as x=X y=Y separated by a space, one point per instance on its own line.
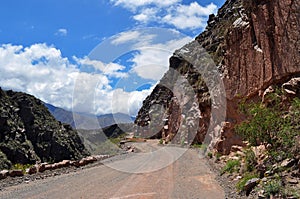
x=250 y=160
x=21 y=167
x=161 y=141
x=272 y=187
x=4 y=162
x=218 y=156
x=262 y=127
x=272 y=126
x=118 y=139
x=209 y=154
x=231 y=166
x=199 y=146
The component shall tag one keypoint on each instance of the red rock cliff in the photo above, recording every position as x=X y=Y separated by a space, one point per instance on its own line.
x=254 y=44
x=265 y=49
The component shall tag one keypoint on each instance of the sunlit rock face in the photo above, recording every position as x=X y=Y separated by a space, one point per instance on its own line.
x=254 y=44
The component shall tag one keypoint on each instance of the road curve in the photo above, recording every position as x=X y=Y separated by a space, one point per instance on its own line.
x=187 y=177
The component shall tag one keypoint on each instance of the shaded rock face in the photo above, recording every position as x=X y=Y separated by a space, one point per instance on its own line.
x=29 y=133
x=254 y=44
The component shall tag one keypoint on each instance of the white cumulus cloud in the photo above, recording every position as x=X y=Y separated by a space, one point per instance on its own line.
x=191 y=16
x=147 y=15
x=110 y=69
x=170 y=12
x=153 y=61
x=86 y=84
x=152 y=49
x=133 y=36
x=128 y=102
x=42 y=71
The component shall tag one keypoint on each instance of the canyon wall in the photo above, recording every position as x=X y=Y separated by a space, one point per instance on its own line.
x=253 y=44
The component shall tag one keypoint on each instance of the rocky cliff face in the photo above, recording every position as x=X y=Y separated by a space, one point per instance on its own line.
x=29 y=133
x=254 y=44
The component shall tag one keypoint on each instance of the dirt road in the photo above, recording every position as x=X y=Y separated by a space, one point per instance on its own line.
x=151 y=175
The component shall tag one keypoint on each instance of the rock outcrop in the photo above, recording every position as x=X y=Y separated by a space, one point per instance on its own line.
x=253 y=43
x=30 y=134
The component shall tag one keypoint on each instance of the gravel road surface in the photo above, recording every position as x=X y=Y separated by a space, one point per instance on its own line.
x=155 y=172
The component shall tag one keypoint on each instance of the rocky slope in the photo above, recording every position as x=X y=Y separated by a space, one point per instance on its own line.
x=30 y=134
x=105 y=140
x=253 y=43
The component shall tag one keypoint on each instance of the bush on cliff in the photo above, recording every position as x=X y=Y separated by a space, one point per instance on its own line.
x=275 y=125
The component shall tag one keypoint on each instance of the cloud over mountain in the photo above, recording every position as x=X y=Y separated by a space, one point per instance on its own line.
x=89 y=85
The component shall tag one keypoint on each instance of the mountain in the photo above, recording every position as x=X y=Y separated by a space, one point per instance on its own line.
x=85 y=121
x=101 y=141
x=30 y=134
x=247 y=47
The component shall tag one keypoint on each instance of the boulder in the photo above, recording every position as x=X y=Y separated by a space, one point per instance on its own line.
x=291 y=180
x=250 y=184
x=288 y=163
x=15 y=173
x=266 y=92
x=82 y=163
x=75 y=163
x=65 y=163
x=3 y=174
x=49 y=167
x=42 y=167
x=292 y=87
x=87 y=160
x=101 y=157
x=32 y=170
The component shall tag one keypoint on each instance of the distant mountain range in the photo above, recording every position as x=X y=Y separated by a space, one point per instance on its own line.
x=85 y=121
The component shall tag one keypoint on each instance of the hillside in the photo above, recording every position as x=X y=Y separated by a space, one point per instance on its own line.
x=105 y=140
x=30 y=134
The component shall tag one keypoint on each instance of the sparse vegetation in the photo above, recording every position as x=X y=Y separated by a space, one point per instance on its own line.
x=274 y=124
x=272 y=187
x=268 y=125
x=250 y=160
x=117 y=140
x=199 y=146
x=218 y=156
x=21 y=167
x=209 y=154
x=231 y=166
x=106 y=147
x=161 y=141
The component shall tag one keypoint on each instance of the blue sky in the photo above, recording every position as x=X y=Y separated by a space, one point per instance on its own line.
x=94 y=48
